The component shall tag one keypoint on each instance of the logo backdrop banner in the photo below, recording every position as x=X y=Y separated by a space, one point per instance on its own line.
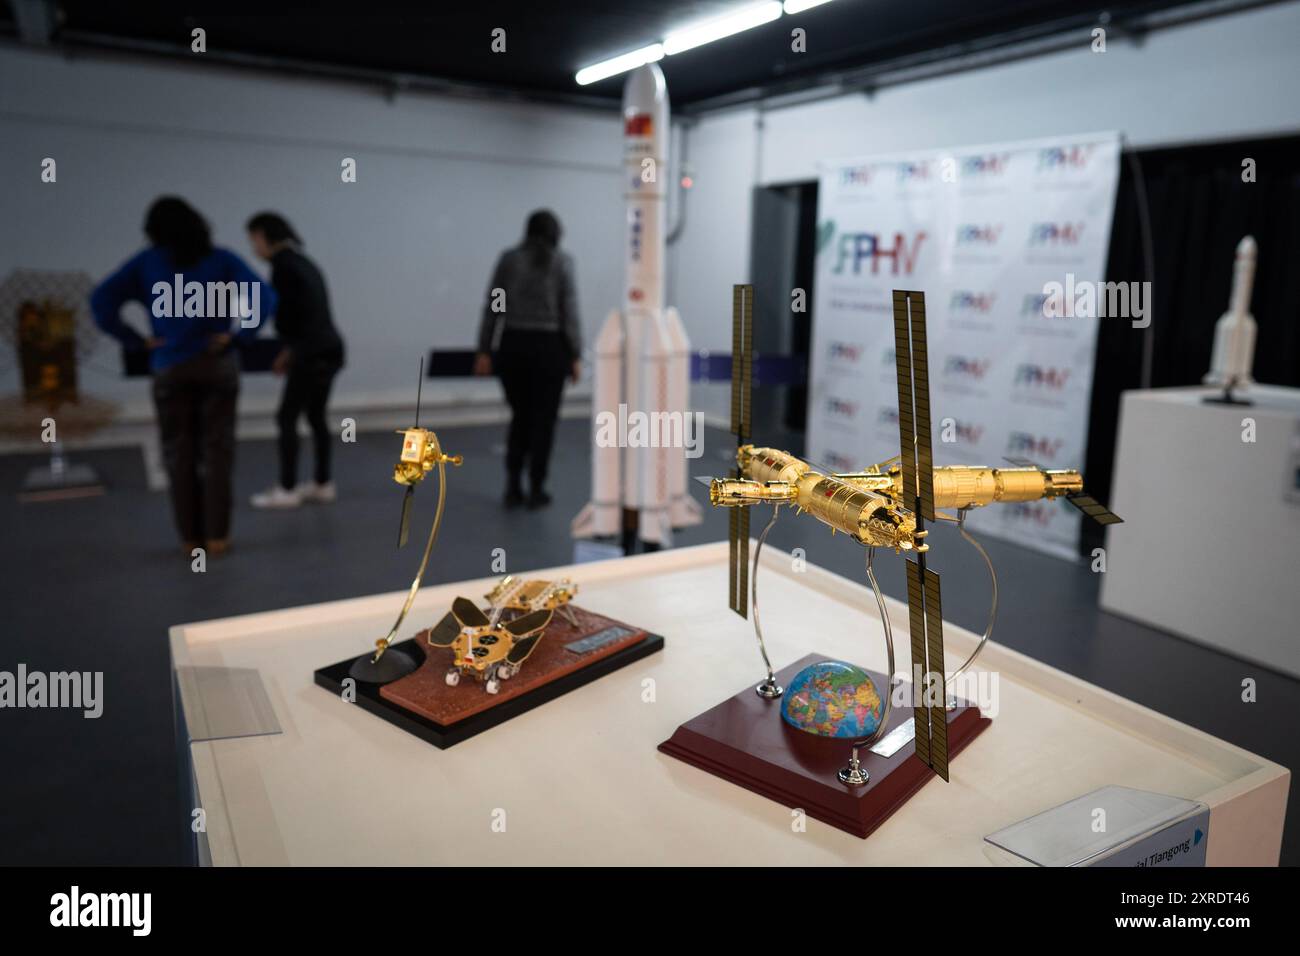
x=980 y=231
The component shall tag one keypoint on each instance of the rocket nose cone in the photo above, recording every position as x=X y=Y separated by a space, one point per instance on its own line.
x=1246 y=247
x=644 y=87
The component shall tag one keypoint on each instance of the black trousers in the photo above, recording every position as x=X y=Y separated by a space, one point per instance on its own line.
x=532 y=367
x=306 y=391
x=196 y=401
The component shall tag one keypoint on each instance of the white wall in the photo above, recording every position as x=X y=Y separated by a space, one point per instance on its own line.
x=443 y=185
x=1226 y=78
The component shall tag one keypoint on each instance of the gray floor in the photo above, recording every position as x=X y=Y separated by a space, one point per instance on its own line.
x=94 y=584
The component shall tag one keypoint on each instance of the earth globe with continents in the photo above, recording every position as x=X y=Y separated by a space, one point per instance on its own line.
x=832 y=699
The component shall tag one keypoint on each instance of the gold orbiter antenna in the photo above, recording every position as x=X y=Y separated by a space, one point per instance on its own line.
x=421 y=453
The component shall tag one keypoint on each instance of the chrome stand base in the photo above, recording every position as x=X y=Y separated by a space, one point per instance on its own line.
x=853 y=776
x=769 y=689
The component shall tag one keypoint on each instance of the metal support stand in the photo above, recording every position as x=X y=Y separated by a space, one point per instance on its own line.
x=769 y=689
x=60 y=479
x=853 y=775
x=387 y=665
x=993 y=607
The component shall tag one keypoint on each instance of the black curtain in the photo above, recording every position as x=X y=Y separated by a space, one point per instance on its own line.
x=1200 y=208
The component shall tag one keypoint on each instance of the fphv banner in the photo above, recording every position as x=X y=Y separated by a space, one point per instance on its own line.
x=984 y=232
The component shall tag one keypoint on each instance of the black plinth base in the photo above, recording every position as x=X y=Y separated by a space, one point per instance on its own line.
x=443 y=736
x=392 y=665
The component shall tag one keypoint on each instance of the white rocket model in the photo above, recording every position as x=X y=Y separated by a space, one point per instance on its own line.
x=642 y=371
x=1234 y=334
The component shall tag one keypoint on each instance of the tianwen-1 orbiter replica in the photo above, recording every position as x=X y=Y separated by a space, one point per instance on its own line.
x=642 y=364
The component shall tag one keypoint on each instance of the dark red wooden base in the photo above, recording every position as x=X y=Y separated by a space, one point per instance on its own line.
x=744 y=740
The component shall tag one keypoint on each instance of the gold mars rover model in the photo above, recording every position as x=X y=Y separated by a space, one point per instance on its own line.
x=491 y=646
x=885 y=506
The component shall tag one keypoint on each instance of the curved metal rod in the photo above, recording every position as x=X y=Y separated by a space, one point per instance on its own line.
x=993 y=608
x=753 y=594
x=889 y=647
x=383 y=643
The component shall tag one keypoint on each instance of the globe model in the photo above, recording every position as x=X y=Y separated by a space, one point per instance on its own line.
x=832 y=699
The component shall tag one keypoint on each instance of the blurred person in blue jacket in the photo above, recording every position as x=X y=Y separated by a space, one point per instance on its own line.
x=199 y=298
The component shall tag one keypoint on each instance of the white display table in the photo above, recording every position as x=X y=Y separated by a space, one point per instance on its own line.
x=579 y=780
x=1210 y=546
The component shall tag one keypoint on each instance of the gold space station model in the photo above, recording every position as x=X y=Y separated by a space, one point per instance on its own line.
x=491 y=646
x=885 y=506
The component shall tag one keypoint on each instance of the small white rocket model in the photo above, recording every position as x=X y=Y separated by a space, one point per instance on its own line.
x=1234 y=334
x=642 y=371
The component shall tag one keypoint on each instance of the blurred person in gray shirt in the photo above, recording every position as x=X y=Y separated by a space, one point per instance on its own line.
x=531 y=338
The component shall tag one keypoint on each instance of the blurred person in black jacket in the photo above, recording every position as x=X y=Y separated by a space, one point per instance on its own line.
x=311 y=358
x=534 y=342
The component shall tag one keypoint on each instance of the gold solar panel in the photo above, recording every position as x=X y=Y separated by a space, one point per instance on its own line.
x=925 y=623
x=738 y=569
x=1094 y=509
x=742 y=359
x=916 y=628
x=912 y=360
x=935 y=665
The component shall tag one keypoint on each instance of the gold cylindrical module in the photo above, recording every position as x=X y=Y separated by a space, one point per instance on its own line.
x=770 y=464
x=965 y=486
x=735 y=492
x=865 y=504
x=866 y=516
x=777 y=476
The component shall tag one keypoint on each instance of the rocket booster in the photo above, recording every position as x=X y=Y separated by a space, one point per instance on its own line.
x=641 y=352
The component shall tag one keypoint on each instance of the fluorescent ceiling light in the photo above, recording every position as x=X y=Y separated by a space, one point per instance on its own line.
x=799 y=6
x=619 y=64
x=707 y=31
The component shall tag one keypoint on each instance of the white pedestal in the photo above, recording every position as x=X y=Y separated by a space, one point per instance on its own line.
x=579 y=781
x=1210 y=547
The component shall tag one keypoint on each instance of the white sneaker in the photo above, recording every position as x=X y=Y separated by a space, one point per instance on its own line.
x=318 y=494
x=276 y=497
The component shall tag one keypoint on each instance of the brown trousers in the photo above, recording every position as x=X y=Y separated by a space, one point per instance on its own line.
x=196 y=402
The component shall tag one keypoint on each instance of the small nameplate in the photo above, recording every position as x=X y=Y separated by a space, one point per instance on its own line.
x=894 y=740
x=599 y=639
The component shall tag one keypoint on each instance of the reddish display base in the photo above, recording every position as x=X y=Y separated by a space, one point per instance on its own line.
x=425 y=692
x=745 y=741
x=423 y=704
